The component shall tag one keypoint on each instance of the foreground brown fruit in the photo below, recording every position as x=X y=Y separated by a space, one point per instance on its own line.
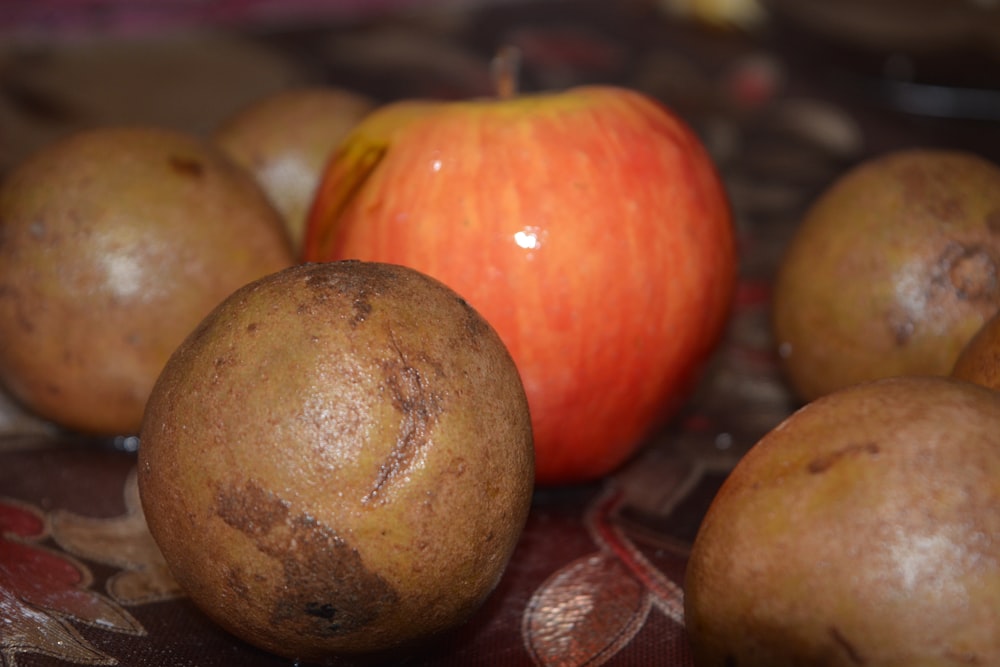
x=979 y=361
x=114 y=244
x=338 y=460
x=861 y=531
x=285 y=139
x=892 y=271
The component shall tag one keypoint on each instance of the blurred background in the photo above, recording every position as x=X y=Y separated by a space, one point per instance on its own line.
x=189 y=63
x=786 y=94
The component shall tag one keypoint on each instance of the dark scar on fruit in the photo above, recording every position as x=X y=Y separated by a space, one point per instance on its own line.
x=848 y=647
x=902 y=330
x=969 y=271
x=475 y=325
x=419 y=407
x=405 y=384
x=186 y=166
x=821 y=464
x=21 y=307
x=993 y=221
x=355 y=285
x=327 y=589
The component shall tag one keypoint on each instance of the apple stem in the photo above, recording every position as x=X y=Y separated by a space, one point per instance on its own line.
x=505 y=67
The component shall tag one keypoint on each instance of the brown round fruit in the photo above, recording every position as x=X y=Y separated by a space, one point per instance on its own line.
x=285 y=139
x=338 y=460
x=979 y=361
x=893 y=269
x=861 y=531
x=114 y=244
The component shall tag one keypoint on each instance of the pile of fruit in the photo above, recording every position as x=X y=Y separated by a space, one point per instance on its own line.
x=863 y=530
x=352 y=339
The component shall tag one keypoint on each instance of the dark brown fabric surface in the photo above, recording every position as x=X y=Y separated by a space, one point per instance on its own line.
x=783 y=111
x=90 y=588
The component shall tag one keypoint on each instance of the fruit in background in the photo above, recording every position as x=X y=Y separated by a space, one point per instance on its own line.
x=114 y=244
x=338 y=460
x=860 y=531
x=979 y=360
x=891 y=272
x=742 y=14
x=589 y=227
x=285 y=139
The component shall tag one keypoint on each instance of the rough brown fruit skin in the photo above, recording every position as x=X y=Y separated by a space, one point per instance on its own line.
x=338 y=460
x=893 y=269
x=979 y=361
x=285 y=139
x=861 y=531
x=114 y=244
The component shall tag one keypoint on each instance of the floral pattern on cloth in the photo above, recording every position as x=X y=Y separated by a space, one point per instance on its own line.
x=592 y=607
x=585 y=608
x=44 y=591
x=595 y=605
x=123 y=542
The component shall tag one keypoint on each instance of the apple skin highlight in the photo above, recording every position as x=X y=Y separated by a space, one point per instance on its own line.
x=590 y=227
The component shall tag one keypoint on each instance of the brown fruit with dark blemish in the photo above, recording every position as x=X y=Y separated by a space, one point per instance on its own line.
x=285 y=139
x=979 y=360
x=114 y=244
x=861 y=531
x=891 y=272
x=338 y=460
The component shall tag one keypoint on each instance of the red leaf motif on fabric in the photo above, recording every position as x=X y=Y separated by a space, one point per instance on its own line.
x=20 y=521
x=33 y=574
x=42 y=590
x=585 y=613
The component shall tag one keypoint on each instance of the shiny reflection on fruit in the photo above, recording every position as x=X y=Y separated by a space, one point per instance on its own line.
x=911 y=290
x=286 y=179
x=530 y=238
x=124 y=274
x=918 y=556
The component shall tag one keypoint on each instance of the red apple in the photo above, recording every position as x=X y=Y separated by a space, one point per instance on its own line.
x=589 y=226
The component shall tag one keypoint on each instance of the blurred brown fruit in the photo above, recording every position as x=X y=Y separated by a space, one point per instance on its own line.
x=979 y=362
x=861 y=531
x=891 y=272
x=114 y=244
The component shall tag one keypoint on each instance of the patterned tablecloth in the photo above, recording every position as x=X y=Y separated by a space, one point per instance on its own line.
x=597 y=576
